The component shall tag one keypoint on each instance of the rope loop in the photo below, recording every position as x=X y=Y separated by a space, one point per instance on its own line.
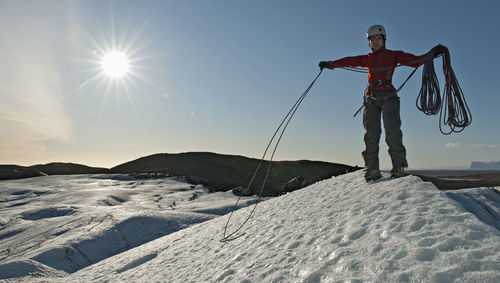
x=283 y=125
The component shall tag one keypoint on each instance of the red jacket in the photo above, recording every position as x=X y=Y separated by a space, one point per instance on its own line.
x=380 y=65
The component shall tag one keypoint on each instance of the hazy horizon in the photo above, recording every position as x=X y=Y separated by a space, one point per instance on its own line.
x=425 y=168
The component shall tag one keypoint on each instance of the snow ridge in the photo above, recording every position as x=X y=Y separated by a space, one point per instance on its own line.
x=340 y=229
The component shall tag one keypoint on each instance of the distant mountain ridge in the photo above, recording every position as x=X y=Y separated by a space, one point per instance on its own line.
x=225 y=172
x=217 y=171
x=8 y=172
x=492 y=165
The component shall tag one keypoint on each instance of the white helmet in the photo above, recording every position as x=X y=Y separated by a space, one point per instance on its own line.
x=374 y=30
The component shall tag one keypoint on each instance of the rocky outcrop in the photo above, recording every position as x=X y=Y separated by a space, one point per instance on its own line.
x=294 y=184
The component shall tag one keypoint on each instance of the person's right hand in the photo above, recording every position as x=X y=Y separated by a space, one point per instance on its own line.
x=324 y=64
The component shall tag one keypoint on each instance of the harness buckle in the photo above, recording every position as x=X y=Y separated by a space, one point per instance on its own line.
x=380 y=82
x=372 y=85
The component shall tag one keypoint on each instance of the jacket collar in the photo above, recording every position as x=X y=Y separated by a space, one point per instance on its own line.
x=380 y=50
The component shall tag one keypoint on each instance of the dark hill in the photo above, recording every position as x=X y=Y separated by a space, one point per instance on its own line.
x=59 y=168
x=8 y=172
x=225 y=172
x=18 y=172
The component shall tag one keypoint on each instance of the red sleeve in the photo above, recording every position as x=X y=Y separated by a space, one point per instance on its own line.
x=410 y=59
x=353 y=61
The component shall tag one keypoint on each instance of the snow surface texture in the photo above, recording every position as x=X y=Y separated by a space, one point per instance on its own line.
x=337 y=230
x=56 y=225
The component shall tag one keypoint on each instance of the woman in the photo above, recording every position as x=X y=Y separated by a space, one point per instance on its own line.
x=380 y=100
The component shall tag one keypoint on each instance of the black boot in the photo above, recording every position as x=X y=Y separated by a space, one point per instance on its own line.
x=398 y=172
x=372 y=175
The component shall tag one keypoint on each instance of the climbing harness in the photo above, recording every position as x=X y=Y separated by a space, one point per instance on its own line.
x=283 y=125
x=385 y=82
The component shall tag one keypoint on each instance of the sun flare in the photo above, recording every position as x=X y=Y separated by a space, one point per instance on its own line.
x=115 y=64
x=120 y=62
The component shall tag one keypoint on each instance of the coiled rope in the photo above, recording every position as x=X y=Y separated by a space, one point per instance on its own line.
x=452 y=107
x=283 y=125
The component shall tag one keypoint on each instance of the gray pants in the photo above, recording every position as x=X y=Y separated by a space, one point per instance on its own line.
x=387 y=104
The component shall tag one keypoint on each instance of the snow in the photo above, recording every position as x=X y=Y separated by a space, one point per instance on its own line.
x=337 y=230
x=56 y=225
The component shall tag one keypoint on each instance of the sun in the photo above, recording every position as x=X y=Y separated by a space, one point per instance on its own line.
x=115 y=64
x=121 y=61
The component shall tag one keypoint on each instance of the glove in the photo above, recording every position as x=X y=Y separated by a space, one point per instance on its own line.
x=324 y=64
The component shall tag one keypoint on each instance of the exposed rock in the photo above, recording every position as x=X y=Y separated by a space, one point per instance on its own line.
x=240 y=191
x=294 y=184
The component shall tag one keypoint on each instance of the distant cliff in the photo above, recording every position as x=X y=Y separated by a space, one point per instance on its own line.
x=477 y=165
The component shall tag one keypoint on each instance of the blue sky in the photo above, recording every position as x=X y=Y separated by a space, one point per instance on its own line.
x=220 y=75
